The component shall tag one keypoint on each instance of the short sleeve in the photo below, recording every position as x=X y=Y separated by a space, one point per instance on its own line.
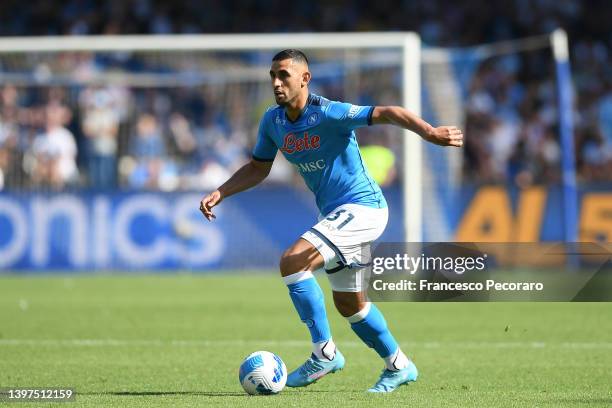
x=265 y=148
x=350 y=116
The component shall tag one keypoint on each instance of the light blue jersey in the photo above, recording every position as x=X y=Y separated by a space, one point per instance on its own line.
x=321 y=144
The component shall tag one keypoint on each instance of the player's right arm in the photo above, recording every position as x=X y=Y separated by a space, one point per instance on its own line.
x=249 y=175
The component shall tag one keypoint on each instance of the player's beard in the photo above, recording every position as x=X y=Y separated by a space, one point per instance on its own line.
x=281 y=100
x=287 y=100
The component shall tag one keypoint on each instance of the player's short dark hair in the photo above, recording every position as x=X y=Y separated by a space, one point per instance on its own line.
x=291 y=53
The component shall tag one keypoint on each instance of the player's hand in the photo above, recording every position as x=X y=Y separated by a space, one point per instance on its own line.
x=446 y=136
x=209 y=202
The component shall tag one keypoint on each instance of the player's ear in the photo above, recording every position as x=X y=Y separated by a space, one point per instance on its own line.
x=306 y=78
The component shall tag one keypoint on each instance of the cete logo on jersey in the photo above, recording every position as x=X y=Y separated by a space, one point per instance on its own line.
x=292 y=144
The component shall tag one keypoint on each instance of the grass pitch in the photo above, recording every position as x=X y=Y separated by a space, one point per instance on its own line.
x=178 y=340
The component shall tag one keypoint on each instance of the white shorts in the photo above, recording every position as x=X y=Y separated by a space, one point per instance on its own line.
x=343 y=238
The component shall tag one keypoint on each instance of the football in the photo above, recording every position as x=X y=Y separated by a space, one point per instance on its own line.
x=262 y=373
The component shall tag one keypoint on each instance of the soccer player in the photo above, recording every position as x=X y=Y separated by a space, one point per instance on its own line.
x=317 y=136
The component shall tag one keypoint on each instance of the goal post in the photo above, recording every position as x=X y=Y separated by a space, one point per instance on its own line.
x=560 y=48
x=412 y=185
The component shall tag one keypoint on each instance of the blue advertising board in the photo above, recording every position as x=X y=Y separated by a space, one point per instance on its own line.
x=124 y=231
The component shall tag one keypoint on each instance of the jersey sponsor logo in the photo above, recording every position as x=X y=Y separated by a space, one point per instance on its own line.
x=310 y=167
x=353 y=111
x=293 y=144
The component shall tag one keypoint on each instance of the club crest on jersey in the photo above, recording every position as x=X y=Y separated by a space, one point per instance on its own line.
x=293 y=143
x=312 y=119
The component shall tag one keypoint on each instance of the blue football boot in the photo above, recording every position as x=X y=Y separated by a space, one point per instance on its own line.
x=313 y=369
x=390 y=380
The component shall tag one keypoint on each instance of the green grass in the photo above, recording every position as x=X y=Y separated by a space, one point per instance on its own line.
x=178 y=341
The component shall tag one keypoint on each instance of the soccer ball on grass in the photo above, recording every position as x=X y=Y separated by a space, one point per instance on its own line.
x=262 y=373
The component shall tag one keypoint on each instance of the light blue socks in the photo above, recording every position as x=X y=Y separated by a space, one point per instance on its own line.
x=371 y=327
x=309 y=302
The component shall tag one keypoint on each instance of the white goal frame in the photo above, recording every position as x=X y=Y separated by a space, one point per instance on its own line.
x=408 y=42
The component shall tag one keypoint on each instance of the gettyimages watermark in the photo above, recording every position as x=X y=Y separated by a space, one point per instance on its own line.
x=477 y=272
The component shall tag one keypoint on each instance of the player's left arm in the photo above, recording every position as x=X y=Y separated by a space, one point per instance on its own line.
x=396 y=115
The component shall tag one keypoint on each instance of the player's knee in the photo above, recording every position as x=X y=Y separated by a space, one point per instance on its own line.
x=290 y=263
x=348 y=305
x=301 y=256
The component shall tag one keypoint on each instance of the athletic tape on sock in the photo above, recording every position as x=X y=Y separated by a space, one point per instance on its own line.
x=297 y=277
x=360 y=315
x=325 y=350
x=396 y=361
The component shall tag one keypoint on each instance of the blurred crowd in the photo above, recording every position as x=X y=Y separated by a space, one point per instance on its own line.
x=110 y=136
x=512 y=123
x=104 y=136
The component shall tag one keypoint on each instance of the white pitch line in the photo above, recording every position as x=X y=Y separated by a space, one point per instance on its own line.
x=294 y=343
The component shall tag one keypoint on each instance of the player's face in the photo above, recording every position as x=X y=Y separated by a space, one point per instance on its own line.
x=288 y=80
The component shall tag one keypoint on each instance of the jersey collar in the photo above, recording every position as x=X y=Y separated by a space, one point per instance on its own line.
x=301 y=115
